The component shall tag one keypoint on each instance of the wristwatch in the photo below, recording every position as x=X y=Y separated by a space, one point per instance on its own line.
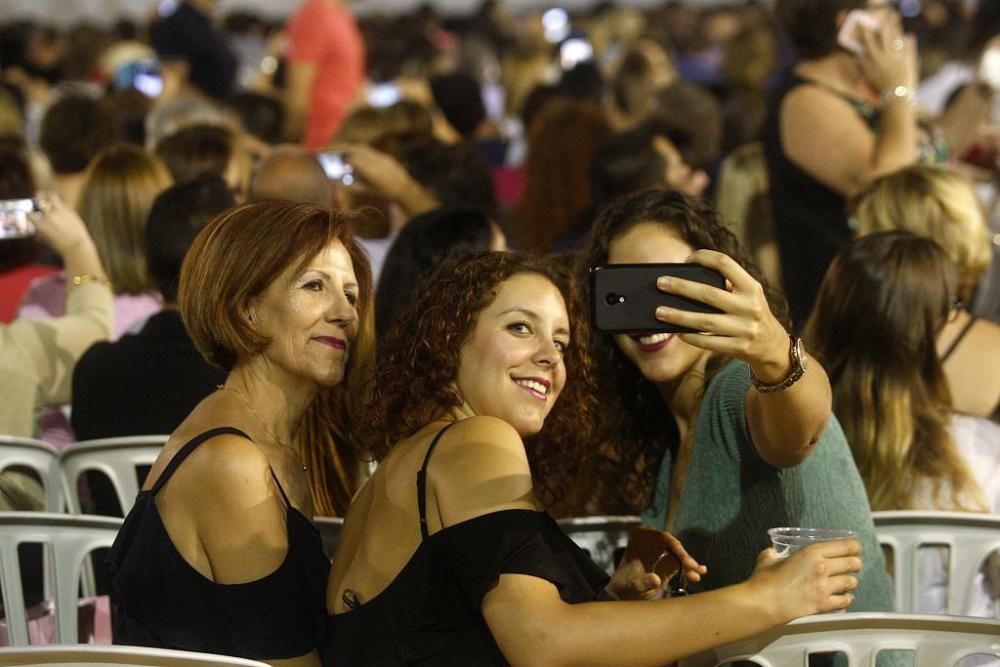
x=795 y=373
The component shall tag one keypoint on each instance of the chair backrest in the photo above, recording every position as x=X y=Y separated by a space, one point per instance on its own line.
x=39 y=456
x=70 y=540
x=329 y=529
x=970 y=539
x=601 y=536
x=117 y=458
x=100 y=656
x=937 y=641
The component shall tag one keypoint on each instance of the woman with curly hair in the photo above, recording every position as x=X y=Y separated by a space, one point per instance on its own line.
x=728 y=432
x=446 y=556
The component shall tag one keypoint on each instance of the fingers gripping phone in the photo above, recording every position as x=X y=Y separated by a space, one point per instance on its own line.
x=624 y=297
x=850 y=35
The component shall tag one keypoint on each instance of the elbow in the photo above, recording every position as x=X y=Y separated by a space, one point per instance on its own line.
x=540 y=645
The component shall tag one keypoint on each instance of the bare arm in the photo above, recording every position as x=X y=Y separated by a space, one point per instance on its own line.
x=298 y=88
x=533 y=626
x=784 y=425
x=823 y=134
x=55 y=345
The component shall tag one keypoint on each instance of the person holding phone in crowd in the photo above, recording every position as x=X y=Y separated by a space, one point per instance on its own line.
x=446 y=555
x=727 y=432
x=843 y=116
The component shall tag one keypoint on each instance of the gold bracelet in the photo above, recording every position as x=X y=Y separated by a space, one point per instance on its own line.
x=85 y=278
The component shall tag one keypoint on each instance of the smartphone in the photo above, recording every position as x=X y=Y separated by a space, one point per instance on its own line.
x=144 y=75
x=381 y=95
x=849 y=36
x=624 y=297
x=573 y=51
x=336 y=167
x=14 y=220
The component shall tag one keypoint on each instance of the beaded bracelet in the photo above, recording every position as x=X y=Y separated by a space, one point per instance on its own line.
x=85 y=278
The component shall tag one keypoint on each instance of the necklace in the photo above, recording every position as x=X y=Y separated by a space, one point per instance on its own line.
x=270 y=433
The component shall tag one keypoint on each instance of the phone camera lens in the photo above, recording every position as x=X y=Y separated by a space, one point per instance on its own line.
x=613 y=299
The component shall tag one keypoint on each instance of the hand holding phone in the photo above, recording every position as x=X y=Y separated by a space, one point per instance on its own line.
x=625 y=296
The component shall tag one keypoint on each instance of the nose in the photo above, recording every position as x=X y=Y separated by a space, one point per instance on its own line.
x=341 y=311
x=547 y=354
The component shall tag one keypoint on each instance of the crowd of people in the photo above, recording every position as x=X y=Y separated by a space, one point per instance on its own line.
x=344 y=265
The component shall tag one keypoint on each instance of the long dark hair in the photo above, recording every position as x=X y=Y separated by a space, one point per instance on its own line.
x=635 y=423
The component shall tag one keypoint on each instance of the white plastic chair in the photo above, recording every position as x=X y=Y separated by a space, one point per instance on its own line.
x=115 y=457
x=937 y=641
x=39 y=456
x=329 y=528
x=69 y=539
x=105 y=656
x=601 y=536
x=970 y=538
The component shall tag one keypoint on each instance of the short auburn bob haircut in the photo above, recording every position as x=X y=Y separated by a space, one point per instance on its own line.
x=239 y=254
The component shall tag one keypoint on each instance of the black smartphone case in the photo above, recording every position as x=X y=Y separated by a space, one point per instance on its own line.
x=624 y=297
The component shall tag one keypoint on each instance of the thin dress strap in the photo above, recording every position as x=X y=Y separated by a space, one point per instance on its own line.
x=191 y=445
x=422 y=482
x=958 y=339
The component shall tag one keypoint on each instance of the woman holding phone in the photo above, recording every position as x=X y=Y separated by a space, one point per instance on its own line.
x=728 y=432
x=844 y=115
x=446 y=555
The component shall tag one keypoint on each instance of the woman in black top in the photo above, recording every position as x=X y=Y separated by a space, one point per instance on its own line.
x=840 y=119
x=219 y=553
x=447 y=557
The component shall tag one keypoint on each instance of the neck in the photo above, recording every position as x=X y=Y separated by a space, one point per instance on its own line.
x=279 y=401
x=682 y=396
x=840 y=70
x=68 y=187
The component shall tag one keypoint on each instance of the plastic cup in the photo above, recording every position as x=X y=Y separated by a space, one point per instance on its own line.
x=788 y=540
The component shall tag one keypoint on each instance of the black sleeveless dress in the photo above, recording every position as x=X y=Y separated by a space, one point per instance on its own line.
x=159 y=600
x=430 y=613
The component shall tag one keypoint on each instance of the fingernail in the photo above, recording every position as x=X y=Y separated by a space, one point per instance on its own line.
x=663 y=282
x=662 y=311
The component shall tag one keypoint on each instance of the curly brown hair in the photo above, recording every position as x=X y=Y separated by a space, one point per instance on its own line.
x=635 y=427
x=415 y=375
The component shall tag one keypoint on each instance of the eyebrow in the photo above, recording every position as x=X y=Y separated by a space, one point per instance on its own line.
x=533 y=315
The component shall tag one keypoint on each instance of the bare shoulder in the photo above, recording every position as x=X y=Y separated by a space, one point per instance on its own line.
x=226 y=468
x=480 y=466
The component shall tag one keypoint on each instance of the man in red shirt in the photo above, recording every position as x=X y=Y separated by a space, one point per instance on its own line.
x=326 y=57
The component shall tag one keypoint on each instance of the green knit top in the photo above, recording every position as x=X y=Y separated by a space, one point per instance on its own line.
x=731 y=496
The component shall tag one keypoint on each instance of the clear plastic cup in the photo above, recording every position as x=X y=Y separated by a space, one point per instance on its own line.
x=788 y=540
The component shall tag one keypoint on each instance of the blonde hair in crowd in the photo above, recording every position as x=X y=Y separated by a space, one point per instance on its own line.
x=936 y=204
x=118 y=190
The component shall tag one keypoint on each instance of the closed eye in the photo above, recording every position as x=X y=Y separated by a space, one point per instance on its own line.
x=352 y=298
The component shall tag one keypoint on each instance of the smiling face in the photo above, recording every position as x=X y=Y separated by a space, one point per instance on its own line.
x=511 y=366
x=661 y=358
x=311 y=318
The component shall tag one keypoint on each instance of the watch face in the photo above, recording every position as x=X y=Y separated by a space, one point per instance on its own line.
x=800 y=352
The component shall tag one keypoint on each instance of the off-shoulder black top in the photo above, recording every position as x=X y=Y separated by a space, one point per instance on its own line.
x=430 y=613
